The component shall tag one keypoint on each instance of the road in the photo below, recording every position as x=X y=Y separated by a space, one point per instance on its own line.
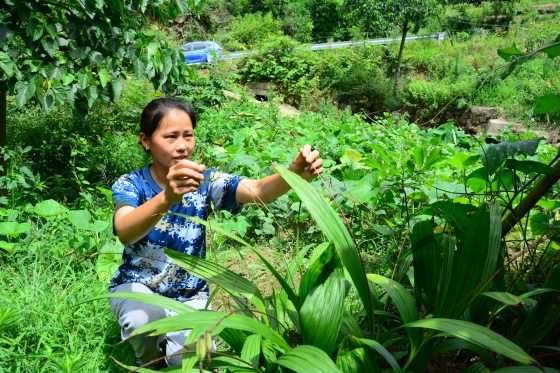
x=341 y=44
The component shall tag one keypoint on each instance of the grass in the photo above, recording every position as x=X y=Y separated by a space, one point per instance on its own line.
x=46 y=292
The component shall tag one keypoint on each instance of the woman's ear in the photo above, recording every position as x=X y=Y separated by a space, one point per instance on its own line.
x=145 y=141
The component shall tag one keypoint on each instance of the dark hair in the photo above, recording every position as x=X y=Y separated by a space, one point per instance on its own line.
x=154 y=112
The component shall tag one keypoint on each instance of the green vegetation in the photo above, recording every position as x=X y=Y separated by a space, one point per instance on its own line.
x=417 y=247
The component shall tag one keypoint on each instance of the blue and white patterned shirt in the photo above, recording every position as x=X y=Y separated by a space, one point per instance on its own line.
x=144 y=261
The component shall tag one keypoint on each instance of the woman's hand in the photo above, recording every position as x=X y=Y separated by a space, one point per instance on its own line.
x=307 y=163
x=184 y=177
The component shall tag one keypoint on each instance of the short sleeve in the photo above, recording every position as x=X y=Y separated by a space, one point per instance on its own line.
x=125 y=193
x=222 y=191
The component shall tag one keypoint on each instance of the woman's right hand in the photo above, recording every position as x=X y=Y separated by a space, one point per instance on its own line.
x=184 y=177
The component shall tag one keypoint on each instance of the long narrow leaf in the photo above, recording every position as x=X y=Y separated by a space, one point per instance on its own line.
x=353 y=357
x=383 y=352
x=461 y=344
x=156 y=300
x=285 y=286
x=403 y=301
x=252 y=349
x=543 y=316
x=526 y=370
x=220 y=276
x=335 y=230
x=306 y=359
x=427 y=264
x=478 y=335
x=210 y=319
x=464 y=281
x=477 y=367
x=321 y=313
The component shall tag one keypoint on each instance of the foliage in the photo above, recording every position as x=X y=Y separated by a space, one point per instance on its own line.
x=78 y=52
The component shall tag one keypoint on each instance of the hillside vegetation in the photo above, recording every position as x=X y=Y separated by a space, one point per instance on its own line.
x=420 y=249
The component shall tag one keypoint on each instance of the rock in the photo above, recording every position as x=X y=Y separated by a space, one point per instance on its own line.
x=496 y=126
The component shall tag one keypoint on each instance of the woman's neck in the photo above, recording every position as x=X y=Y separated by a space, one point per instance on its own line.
x=159 y=176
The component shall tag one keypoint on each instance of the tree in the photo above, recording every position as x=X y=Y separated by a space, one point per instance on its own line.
x=60 y=52
x=377 y=15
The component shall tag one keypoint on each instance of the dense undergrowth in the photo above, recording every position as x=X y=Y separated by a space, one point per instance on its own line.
x=384 y=175
x=461 y=72
x=422 y=211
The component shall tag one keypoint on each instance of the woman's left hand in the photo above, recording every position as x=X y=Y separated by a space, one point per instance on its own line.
x=307 y=163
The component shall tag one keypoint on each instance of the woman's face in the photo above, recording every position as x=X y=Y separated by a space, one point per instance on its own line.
x=172 y=141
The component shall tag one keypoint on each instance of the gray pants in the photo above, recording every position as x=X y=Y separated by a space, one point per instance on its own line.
x=132 y=315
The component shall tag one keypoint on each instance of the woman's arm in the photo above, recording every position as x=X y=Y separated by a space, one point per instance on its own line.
x=306 y=164
x=131 y=224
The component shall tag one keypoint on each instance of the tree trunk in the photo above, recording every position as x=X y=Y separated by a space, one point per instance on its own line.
x=530 y=200
x=3 y=132
x=399 y=61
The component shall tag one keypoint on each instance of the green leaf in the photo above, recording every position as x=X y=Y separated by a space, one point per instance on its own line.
x=252 y=349
x=24 y=93
x=35 y=31
x=477 y=367
x=403 y=301
x=353 y=356
x=335 y=230
x=549 y=204
x=152 y=49
x=104 y=77
x=51 y=30
x=305 y=359
x=539 y=224
x=92 y=93
x=419 y=154
x=5 y=33
x=476 y=256
x=427 y=264
x=477 y=180
x=84 y=77
x=320 y=324
x=528 y=167
x=531 y=369
x=553 y=50
x=434 y=158
x=503 y=297
x=508 y=53
x=59 y=92
x=6 y=64
x=108 y=261
x=216 y=274
x=117 y=88
x=285 y=286
x=478 y=335
x=156 y=300
x=49 y=45
x=460 y=344
x=14 y=229
x=46 y=100
x=496 y=154
x=462 y=160
x=547 y=103
x=9 y=247
x=48 y=208
x=378 y=347
x=79 y=218
x=183 y=6
x=350 y=156
x=211 y=319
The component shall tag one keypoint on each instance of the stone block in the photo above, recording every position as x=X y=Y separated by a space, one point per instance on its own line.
x=495 y=126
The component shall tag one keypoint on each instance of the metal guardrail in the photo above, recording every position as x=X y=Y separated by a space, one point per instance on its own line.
x=341 y=44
